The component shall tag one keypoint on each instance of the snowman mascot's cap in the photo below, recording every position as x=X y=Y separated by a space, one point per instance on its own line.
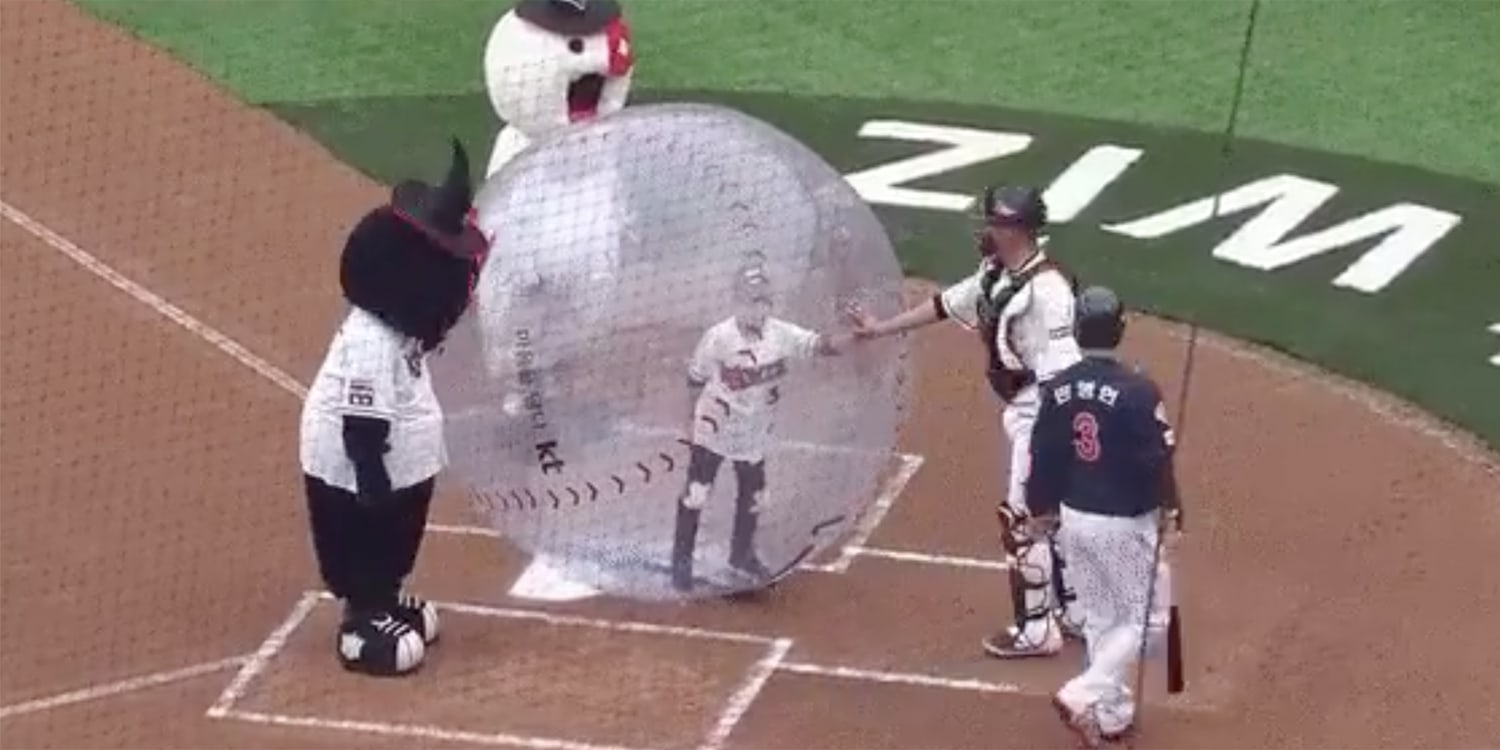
x=551 y=63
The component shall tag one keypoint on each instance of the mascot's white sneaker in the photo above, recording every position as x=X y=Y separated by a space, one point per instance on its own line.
x=420 y=615
x=380 y=644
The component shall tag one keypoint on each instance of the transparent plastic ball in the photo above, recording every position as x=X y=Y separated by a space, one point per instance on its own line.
x=650 y=310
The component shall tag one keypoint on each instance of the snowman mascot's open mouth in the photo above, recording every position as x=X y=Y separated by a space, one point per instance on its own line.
x=584 y=95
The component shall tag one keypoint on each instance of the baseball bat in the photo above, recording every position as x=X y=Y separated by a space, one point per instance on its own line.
x=1174 y=652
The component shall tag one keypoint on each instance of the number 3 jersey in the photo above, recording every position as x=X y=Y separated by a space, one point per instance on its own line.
x=1101 y=441
x=743 y=375
x=371 y=370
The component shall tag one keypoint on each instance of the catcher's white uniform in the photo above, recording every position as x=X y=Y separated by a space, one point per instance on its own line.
x=1035 y=333
x=735 y=414
x=372 y=370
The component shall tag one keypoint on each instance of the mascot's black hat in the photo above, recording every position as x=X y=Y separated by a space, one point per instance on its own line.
x=443 y=210
x=569 y=17
x=413 y=262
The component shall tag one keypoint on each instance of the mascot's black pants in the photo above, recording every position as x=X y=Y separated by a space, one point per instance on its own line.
x=750 y=484
x=365 y=552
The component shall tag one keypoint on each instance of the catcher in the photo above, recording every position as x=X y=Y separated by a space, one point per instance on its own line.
x=371 y=426
x=1020 y=302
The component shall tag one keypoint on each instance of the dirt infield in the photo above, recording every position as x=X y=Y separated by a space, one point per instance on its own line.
x=169 y=281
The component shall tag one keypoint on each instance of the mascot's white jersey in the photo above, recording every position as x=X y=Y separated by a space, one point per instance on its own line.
x=372 y=371
x=735 y=414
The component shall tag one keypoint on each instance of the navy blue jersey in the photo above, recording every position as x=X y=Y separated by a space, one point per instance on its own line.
x=1101 y=443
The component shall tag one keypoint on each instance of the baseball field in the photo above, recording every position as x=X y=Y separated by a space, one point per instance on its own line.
x=176 y=178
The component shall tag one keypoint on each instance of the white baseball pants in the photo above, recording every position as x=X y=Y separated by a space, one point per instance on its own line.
x=1109 y=567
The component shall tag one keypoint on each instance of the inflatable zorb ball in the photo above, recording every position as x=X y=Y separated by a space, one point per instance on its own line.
x=624 y=250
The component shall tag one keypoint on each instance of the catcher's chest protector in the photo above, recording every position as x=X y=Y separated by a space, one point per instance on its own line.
x=993 y=301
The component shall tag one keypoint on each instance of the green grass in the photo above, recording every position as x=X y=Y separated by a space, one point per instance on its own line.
x=1408 y=81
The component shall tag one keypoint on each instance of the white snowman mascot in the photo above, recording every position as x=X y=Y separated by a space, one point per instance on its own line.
x=549 y=64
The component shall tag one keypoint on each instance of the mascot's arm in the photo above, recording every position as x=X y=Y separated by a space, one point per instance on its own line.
x=367 y=408
x=365 y=443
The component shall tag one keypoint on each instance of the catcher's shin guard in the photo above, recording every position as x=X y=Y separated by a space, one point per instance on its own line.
x=1034 y=632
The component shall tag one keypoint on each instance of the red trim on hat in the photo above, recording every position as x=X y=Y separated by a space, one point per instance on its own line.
x=621 y=51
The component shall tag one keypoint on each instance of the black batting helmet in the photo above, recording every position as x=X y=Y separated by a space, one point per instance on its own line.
x=1014 y=205
x=1099 y=320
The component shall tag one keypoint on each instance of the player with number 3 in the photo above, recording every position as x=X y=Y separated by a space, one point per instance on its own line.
x=1102 y=477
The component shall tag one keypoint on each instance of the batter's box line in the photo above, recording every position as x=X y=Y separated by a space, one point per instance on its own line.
x=256 y=664
x=967 y=684
x=120 y=687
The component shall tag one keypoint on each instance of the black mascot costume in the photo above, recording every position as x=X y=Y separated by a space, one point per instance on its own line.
x=372 y=428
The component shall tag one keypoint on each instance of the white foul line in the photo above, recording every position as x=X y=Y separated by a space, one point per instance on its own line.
x=416 y=730
x=259 y=661
x=620 y=626
x=899 y=678
x=1186 y=703
x=950 y=561
x=154 y=301
x=132 y=684
x=877 y=512
x=1495 y=360
x=740 y=701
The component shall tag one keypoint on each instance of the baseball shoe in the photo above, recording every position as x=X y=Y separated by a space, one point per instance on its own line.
x=379 y=644
x=1081 y=725
x=420 y=615
x=1012 y=643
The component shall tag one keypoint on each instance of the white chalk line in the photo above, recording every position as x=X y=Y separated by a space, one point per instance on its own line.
x=900 y=678
x=746 y=694
x=949 y=561
x=129 y=685
x=156 y=302
x=969 y=685
x=877 y=512
x=420 y=731
x=261 y=659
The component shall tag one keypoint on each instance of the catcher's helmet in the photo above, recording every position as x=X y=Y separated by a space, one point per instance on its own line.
x=1099 y=319
x=1014 y=205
